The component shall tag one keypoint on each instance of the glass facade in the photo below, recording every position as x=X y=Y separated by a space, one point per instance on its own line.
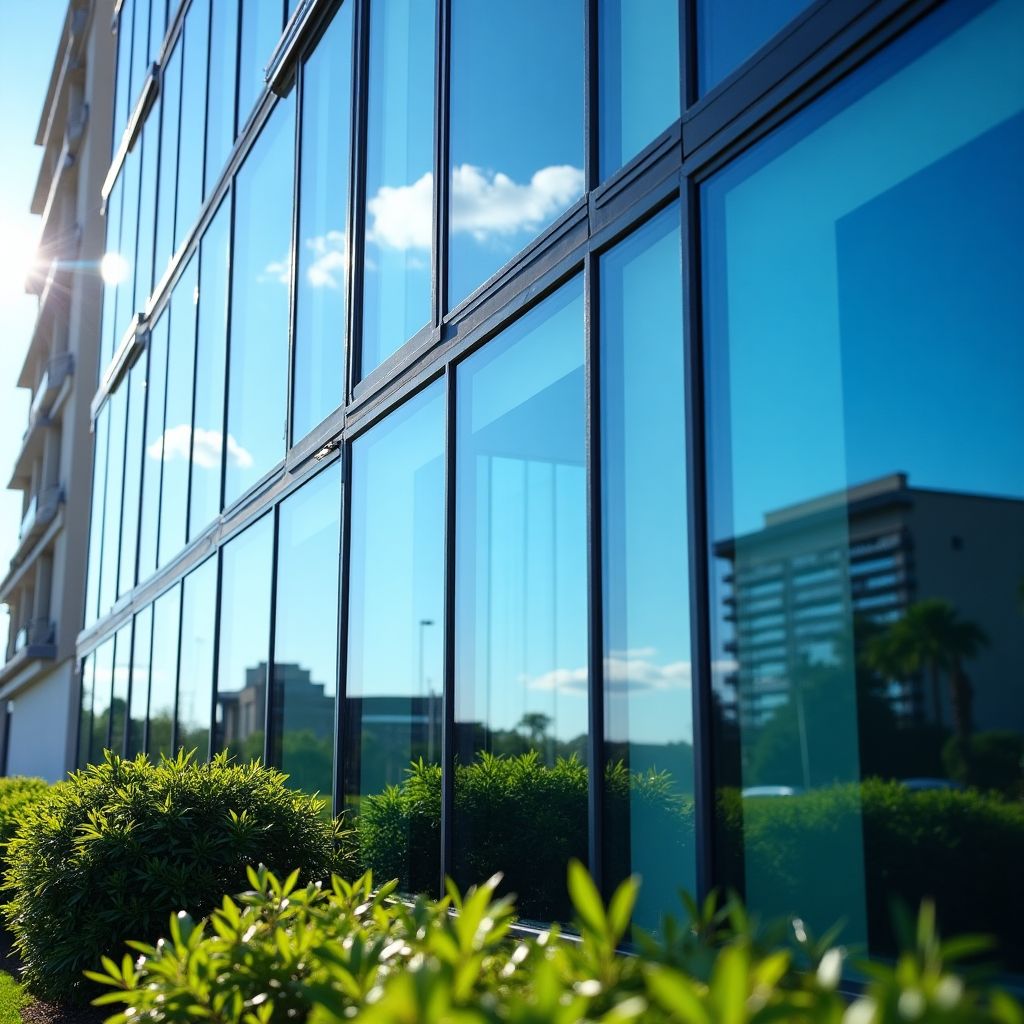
x=540 y=458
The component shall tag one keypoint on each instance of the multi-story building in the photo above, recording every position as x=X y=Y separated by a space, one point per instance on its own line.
x=446 y=347
x=44 y=586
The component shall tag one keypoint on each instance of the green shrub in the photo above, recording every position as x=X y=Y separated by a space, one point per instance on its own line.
x=118 y=846
x=517 y=816
x=331 y=955
x=16 y=794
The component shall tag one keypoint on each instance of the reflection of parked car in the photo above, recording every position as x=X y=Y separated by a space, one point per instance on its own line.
x=772 y=791
x=917 y=784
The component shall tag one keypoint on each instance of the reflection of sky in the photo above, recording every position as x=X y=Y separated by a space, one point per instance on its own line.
x=521 y=534
x=506 y=159
x=397 y=553
x=198 y=615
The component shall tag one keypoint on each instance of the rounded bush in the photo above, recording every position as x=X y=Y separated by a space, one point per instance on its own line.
x=16 y=793
x=110 y=852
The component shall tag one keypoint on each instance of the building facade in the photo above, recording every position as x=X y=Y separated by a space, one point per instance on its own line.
x=475 y=376
x=45 y=583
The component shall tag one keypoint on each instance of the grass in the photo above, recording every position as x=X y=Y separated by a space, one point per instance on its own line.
x=12 y=999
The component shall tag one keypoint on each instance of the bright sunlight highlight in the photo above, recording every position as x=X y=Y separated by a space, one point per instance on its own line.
x=113 y=268
x=18 y=242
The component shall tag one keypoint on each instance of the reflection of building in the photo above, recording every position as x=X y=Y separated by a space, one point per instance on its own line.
x=44 y=586
x=242 y=713
x=796 y=586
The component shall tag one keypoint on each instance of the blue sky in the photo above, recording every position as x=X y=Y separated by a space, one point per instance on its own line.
x=29 y=34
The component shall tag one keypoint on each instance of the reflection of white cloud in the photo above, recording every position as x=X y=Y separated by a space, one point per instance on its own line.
x=330 y=259
x=277 y=270
x=484 y=204
x=634 y=672
x=205 y=453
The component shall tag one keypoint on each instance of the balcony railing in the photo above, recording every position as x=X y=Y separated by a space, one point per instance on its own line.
x=57 y=370
x=40 y=513
x=36 y=637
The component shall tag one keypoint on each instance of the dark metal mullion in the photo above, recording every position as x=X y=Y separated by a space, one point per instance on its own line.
x=442 y=82
x=696 y=490
x=591 y=96
x=343 y=577
x=357 y=185
x=595 y=648
x=448 y=688
x=268 y=701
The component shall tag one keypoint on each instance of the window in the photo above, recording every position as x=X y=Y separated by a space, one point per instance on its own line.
x=195 y=673
x=261 y=269
x=196 y=42
x=164 y=673
x=123 y=85
x=99 y=497
x=304 y=694
x=140 y=47
x=521 y=598
x=147 y=210
x=393 y=698
x=399 y=176
x=207 y=441
x=138 y=702
x=638 y=76
x=824 y=263
x=512 y=172
x=262 y=21
x=112 y=504
x=134 y=384
x=153 y=450
x=103 y=680
x=246 y=572
x=119 y=690
x=170 y=111
x=322 y=280
x=220 y=101
x=108 y=327
x=85 y=713
x=648 y=699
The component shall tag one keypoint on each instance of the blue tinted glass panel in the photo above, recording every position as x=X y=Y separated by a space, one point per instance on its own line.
x=164 y=672
x=112 y=505
x=258 y=386
x=132 y=174
x=392 y=715
x=322 y=282
x=648 y=702
x=638 y=76
x=85 y=712
x=114 y=271
x=512 y=172
x=138 y=703
x=195 y=672
x=193 y=119
x=170 y=109
x=153 y=449
x=176 y=441
x=119 y=690
x=306 y=633
x=211 y=352
x=730 y=31
x=262 y=21
x=521 y=601
x=99 y=498
x=399 y=176
x=220 y=101
x=157 y=27
x=865 y=373
x=246 y=572
x=140 y=50
x=103 y=682
x=122 y=89
x=135 y=384
x=150 y=144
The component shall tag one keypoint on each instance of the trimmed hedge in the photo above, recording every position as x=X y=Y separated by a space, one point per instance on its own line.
x=328 y=956
x=17 y=793
x=110 y=852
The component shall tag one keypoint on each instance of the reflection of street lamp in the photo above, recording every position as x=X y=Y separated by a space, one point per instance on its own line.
x=430 y=704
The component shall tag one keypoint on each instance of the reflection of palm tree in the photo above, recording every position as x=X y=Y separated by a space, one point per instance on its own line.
x=932 y=638
x=535 y=724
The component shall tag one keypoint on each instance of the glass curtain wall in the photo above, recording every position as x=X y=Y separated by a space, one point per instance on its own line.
x=138 y=701
x=163 y=684
x=195 y=672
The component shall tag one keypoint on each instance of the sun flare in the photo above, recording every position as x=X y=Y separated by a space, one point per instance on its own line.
x=18 y=242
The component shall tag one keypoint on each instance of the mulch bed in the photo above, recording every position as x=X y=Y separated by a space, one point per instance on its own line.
x=47 y=1013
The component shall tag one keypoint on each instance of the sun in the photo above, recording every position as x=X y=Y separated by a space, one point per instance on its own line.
x=18 y=242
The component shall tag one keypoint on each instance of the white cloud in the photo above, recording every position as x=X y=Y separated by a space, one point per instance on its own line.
x=205 y=453
x=634 y=673
x=485 y=204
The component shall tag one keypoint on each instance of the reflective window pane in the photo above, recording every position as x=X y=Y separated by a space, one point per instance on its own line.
x=170 y=110
x=399 y=176
x=85 y=714
x=220 y=100
x=128 y=246
x=392 y=715
x=181 y=353
x=123 y=83
x=262 y=21
x=118 y=402
x=119 y=690
x=193 y=119
x=258 y=388
x=164 y=673
x=157 y=27
x=140 y=48
x=103 y=681
x=521 y=605
x=322 y=280
x=112 y=250
x=211 y=352
x=135 y=386
x=246 y=573
x=99 y=497
x=153 y=450
x=638 y=76
x=138 y=704
x=867 y=501
x=195 y=673
x=647 y=696
x=730 y=31
x=512 y=172
x=306 y=634
x=150 y=144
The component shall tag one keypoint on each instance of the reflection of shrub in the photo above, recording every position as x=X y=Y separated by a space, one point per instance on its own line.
x=116 y=848
x=17 y=793
x=515 y=815
x=987 y=760
x=952 y=845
